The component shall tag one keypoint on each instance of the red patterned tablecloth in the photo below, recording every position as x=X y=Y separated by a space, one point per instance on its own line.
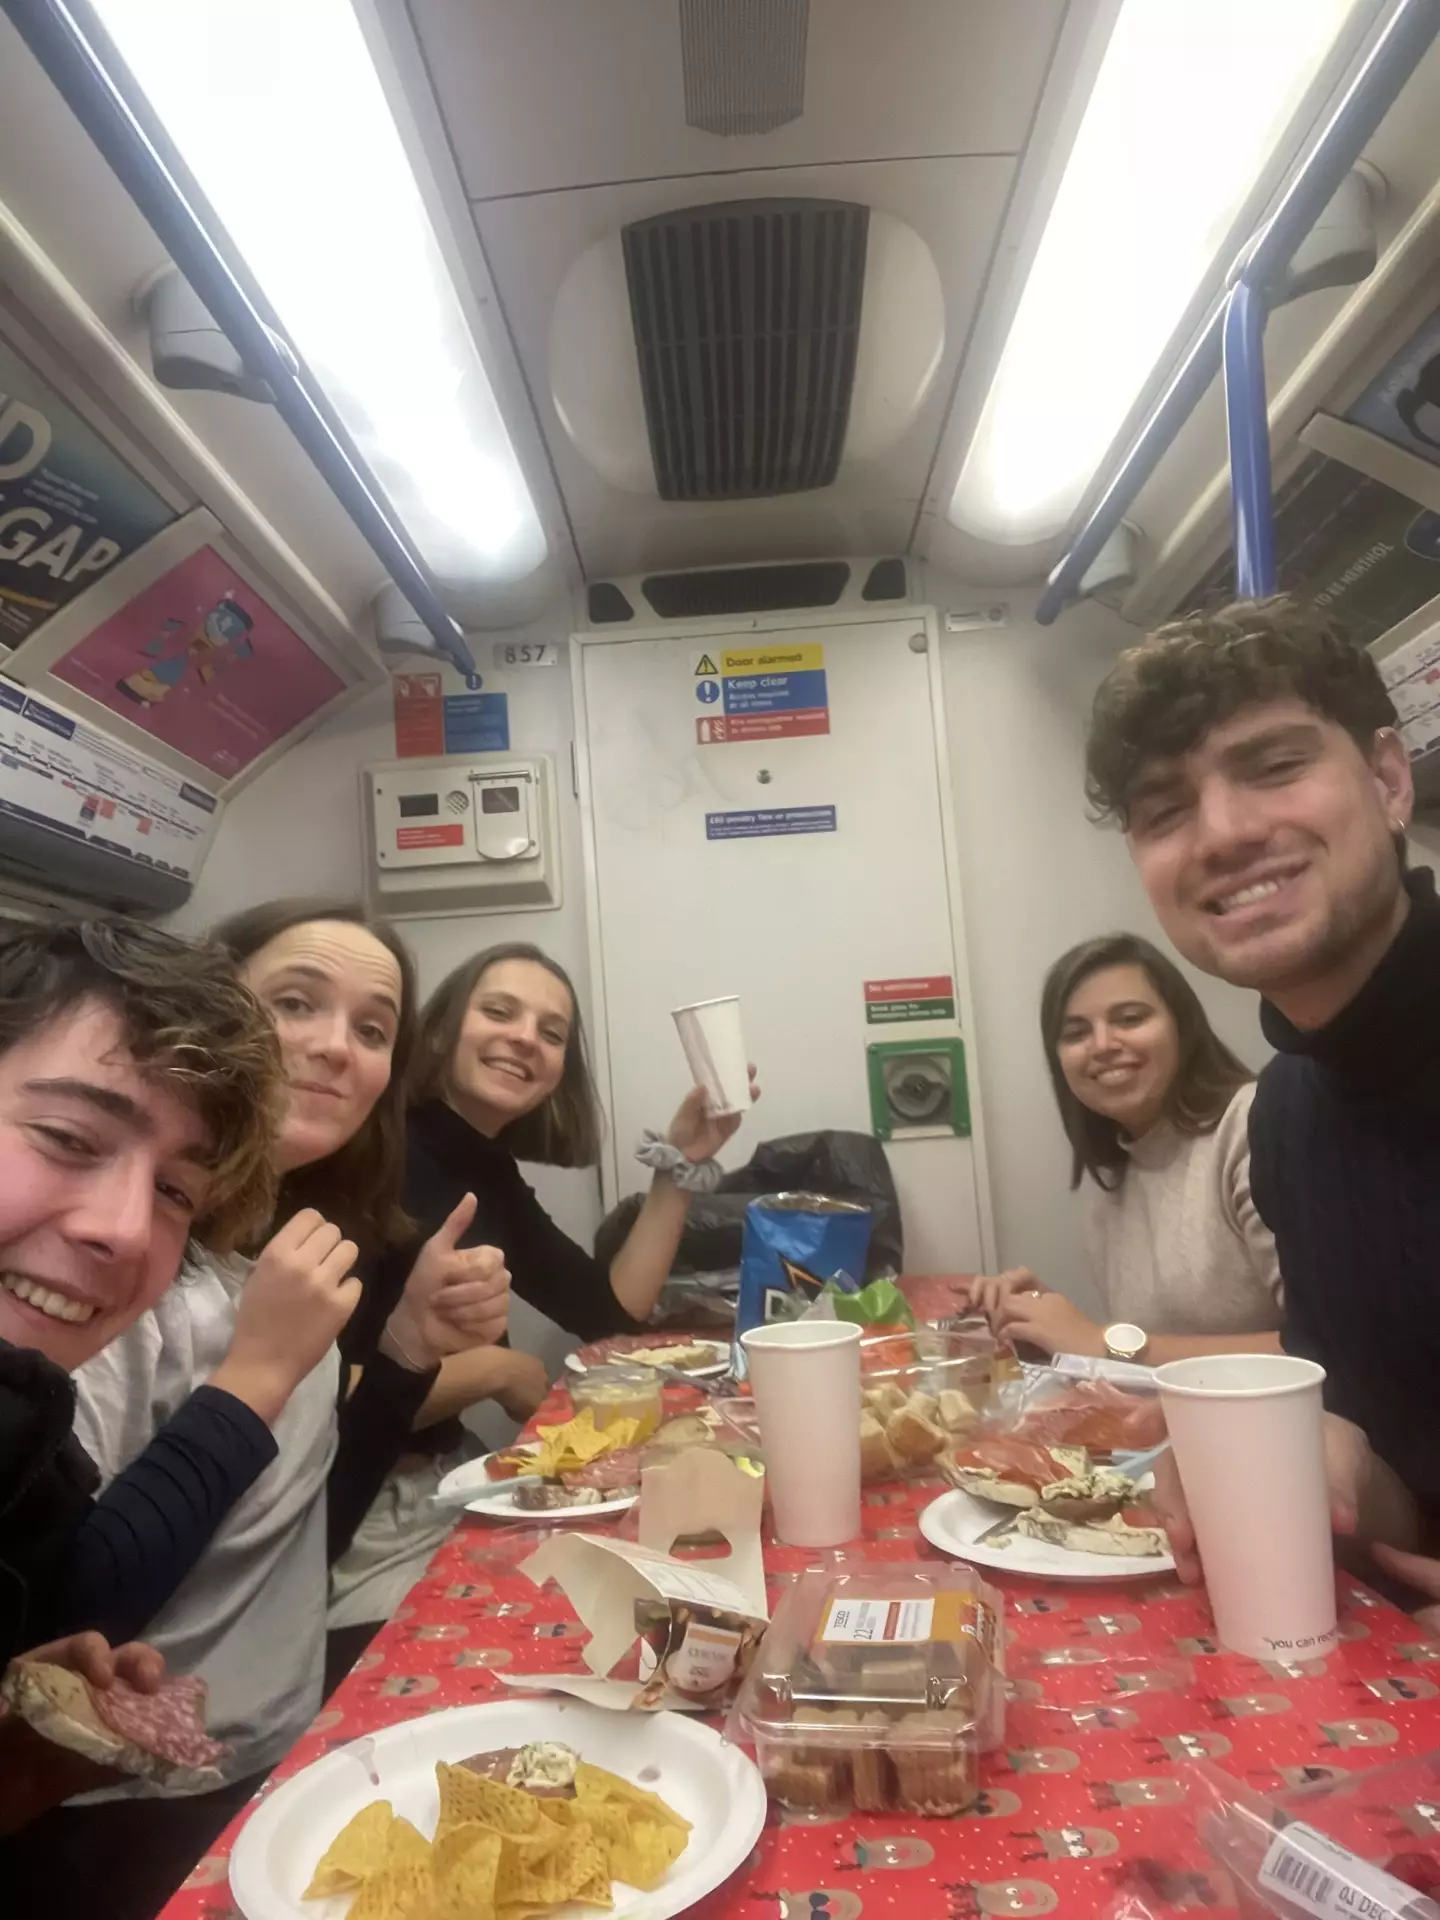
x=1113 y=1684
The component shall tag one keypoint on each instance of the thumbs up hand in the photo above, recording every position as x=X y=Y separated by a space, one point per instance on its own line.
x=456 y=1297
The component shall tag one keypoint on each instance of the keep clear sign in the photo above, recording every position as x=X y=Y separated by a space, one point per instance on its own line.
x=762 y=693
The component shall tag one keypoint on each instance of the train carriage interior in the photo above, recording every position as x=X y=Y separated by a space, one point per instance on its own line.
x=661 y=482
x=701 y=321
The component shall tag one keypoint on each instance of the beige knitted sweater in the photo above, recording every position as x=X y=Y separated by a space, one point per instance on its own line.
x=1179 y=1247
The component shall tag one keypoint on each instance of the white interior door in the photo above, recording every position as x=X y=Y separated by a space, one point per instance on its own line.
x=790 y=869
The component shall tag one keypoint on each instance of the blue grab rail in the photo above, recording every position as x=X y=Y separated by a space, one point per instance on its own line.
x=73 y=49
x=1234 y=334
x=1247 y=420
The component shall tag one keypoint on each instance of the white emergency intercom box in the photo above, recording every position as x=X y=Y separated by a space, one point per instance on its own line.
x=451 y=836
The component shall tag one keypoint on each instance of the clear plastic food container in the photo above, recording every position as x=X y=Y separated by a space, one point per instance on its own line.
x=620 y=1393
x=877 y=1689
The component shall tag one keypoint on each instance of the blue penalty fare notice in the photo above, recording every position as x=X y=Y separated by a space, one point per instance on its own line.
x=769 y=821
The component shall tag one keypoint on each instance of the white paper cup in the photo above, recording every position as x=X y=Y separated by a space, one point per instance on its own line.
x=1248 y=1435
x=805 y=1376
x=714 y=1045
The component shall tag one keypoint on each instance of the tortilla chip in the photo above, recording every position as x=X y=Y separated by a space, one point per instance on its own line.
x=594 y=1783
x=356 y=1853
x=646 y=1854
x=405 y=1845
x=551 y=1880
x=464 y=1864
x=564 y=1813
x=595 y=1893
x=567 y=1448
x=467 y=1796
x=395 y=1893
x=531 y=1848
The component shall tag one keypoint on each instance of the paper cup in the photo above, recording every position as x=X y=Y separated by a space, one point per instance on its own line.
x=715 y=1047
x=805 y=1376
x=1248 y=1436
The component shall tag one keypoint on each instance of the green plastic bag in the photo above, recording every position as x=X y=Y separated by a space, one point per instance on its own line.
x=881 y=1304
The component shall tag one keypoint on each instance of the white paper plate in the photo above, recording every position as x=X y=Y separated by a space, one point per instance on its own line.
x=496 y=1498
x=952 y=1522
x=713 y=1785
x=720 y=1348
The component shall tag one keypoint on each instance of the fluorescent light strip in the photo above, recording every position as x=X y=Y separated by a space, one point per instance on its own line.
x=1190 y=101
x=278 y=111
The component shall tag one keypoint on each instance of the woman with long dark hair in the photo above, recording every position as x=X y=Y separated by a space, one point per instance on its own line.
x=1156 y=1108
x=501 y=1076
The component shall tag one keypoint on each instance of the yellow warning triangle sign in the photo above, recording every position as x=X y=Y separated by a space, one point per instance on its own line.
x=707 y=665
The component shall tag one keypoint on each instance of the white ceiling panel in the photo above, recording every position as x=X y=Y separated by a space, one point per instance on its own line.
x=543 y=95
x=954 y=205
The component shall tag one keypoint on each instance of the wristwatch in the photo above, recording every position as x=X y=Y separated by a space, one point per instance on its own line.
x=1124 y=1341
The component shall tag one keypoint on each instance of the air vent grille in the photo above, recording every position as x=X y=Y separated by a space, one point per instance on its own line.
x=801 y=583
x=747 y=318
x=744 y=64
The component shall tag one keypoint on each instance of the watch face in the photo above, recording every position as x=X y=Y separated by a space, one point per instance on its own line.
x=1124 y=1340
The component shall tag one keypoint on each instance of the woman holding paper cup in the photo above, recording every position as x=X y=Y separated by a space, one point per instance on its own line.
x=502 y=1076
x=1156 y=1108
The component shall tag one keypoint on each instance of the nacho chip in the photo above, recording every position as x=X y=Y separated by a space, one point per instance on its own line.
x=466 y=1796
x=395 y=1893
x=551 y=1880
x=464 y=1865
x=646 y=1854
x=356 y=1853
x=595 y=1893
x=567 y=1448
x=405 y=1845
x=531 y=1848
x=594 y=1783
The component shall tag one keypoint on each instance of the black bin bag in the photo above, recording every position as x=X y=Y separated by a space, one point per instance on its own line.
x=843 y=1166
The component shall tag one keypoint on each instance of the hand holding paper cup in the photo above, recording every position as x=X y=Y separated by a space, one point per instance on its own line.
x=1247 y=1431
x=714 y=1044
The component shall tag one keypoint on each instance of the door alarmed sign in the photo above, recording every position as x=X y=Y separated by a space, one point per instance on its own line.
x=762 y=693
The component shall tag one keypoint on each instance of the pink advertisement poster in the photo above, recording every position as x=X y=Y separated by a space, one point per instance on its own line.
x=203 y=663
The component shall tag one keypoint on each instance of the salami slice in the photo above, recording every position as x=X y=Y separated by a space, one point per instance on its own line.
x=169 y=1723
x=615 y=1472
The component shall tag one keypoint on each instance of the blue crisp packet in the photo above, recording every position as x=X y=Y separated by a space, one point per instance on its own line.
x=794 y=1243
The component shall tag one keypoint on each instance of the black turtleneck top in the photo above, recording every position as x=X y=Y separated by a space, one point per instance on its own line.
x=1345 y=1170
x=445 y=1158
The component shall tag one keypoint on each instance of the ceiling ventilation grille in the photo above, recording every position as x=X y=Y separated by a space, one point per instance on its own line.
x=744 y=64
x=746 y=319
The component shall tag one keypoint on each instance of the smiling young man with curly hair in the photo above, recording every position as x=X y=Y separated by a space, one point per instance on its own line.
x=1251 y=757
x=139 y=1082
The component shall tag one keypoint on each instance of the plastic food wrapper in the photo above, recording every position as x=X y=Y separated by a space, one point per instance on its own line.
x=156 y=1736
x=684 y=1631
x=721 y=1426
x=794 y=1243
x=1065 y=1407
x=876 y=1688
x=1362 y=1846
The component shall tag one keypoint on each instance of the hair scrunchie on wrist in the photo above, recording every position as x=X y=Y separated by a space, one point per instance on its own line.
x=694 y=1176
